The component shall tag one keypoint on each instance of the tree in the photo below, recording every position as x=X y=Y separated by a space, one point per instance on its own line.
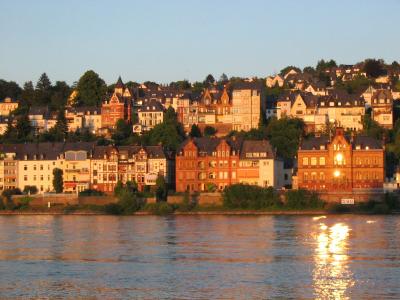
x=122 y=132
x=288 y=68
x=161 y=189
x=323 y=65
x=23 y=128
x=209 y=81
x=42 y=91
x=223 y=78
x=28 y=93
x=284 y=135
x=9 y=89
x=30 y=189
x=209 y=131
x=374 y=68
x=58 y=182
x=91 y=89
x=195 y=131
x=61 y=92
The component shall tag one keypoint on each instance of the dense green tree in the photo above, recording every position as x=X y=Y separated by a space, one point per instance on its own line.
x=195 y=131
x=60 y=94
x=209 y=131
x=60 y=130
x=58 y=182
x=374 y=67
x=122 y=132
x=161 y=189
x=288 y=68
x=372 y=128
x=9 y=89
x=181 y=84
x=43 y=91
x=323 y=65
x=28 y=93
x=91 y=89
x=209 y=81
x=197 y=87
x=284 y=134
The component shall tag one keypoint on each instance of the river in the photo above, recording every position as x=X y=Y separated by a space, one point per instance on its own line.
x=200 y=257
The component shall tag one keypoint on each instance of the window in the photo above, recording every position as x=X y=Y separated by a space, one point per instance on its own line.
x=25 y=167
x=25 y=177
x=305 y=161
x=313 y=161
x=322 y=161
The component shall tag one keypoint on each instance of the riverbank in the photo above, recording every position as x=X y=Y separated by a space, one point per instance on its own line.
x=192 y=213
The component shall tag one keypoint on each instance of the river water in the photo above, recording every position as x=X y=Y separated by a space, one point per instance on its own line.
x=200 y=257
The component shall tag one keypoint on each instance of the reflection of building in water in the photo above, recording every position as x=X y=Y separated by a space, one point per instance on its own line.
x=332 y=276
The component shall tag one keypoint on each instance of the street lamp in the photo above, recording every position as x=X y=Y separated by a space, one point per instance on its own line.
x=336 y=173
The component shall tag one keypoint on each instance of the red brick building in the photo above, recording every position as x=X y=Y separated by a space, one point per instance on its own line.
x=342 y=163
x=117 y=106
x=204 y=164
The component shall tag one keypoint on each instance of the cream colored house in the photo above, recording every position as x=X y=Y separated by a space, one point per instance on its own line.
x=79 y=118
x=7 y=106
x=150 y=114
x=36 y=163
x=247 y=98
x=272 y=81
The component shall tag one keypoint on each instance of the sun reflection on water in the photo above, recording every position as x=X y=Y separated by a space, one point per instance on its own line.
x=332 y=276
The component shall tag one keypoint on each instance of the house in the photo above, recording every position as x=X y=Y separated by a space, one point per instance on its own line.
x=273 y=81
x=150 y=114
x=117 y=106
x=8 y=105
x=341 y=163
x=382 y=108
x=142 y=164
x=41 y=119
x=83 y=118
x=208 y=164
x=248 y=100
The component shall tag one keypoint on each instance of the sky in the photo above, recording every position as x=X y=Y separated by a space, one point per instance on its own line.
x=169 y=40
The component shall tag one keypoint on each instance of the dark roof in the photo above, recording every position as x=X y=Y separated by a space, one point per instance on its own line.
x=151 y=105
x=9 y=100
x=250 y=146
x=39 y=110
x=85 y=109
x=246 y=85
x=359 y=141
x=152 y=151
x=119 y=83
x=243 y=147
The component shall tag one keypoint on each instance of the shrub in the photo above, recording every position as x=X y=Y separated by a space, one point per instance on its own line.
x=113 y=209
x=128 y=201
x=24 y=202
x=187 y=204
x=90 y=192
x=30 y=189
x=159 y=208
x=300 y=199
x=249 y=197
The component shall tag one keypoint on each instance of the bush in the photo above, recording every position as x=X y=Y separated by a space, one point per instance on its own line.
x=301 y=199
x=113 y=209
x=159 y=208
x=128 y=202
x=246 y=196
x=90 y=192
x=187 y=204
x=24 y=203
x=9 y=192
x=30 y=189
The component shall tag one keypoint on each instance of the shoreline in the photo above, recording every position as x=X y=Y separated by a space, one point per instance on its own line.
x=191 y=213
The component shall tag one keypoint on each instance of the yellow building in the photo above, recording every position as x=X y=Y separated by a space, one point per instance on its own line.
x=7 y=106
x=247 y=98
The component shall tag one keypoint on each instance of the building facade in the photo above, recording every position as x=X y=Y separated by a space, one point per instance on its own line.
x=208 y=164
x=342 y=163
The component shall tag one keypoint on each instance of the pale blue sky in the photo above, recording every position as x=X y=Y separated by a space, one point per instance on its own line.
x=176 y=39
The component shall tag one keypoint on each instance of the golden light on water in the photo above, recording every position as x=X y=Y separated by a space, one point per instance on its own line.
x=331 y=275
